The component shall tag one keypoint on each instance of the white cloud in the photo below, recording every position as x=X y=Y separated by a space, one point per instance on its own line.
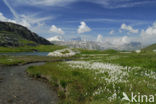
x=83 y=28
x=34 y=24
x=21 y=21
x=111 y=4
x=56 y=38
x=130 y=29
x=148 y=35
x=105 y=3
x=25 y=20
x=55 y=29
x=3 y=18
x=40 y=3
x=31 y=21
x=125 y=40
x=99 y=38
x=116 y=41
x=111 y=32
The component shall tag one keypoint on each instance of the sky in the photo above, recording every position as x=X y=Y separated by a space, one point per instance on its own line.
x=110 y=20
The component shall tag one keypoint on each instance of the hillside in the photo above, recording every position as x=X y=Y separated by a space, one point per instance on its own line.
x=16 y=35
x=150 y=48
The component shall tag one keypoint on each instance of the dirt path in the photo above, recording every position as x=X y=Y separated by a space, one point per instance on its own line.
x=17 y=88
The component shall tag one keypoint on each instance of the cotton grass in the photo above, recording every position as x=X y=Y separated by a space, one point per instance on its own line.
x=116 y=73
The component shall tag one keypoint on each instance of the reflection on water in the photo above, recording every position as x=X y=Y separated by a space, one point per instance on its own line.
x=26 y=53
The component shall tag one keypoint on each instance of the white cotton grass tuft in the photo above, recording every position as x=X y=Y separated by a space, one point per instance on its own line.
x=116 y=73
x=138 y=51
x=109 y=74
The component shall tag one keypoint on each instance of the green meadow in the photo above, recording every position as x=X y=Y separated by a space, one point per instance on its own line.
x=101 y=77
x=40 y=48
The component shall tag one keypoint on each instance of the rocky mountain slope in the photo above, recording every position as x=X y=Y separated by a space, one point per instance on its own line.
x=16 y=35
x=97 y=45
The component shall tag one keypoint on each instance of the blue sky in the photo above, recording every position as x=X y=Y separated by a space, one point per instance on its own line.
x=133 y=19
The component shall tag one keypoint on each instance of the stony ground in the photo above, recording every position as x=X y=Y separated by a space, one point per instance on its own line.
x=17 y=88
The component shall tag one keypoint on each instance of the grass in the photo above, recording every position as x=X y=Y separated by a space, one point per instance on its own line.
x=144 y=60
x=40 y=48
x=110 y=51
x=21 y=60
x=150 y=48
x=71 y=84
x=100 y=77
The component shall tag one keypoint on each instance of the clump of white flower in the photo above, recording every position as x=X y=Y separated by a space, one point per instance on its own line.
x=112 y=57
x=150 y=74
x=10 y=59
x=138 y=51
x=116 y=73
x=154 y=50
x=62 y=53
x=113 y=97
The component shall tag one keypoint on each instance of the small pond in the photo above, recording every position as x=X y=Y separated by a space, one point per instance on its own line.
x=25 y=53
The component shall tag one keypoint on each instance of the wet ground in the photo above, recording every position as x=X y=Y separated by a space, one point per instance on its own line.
x=17 y=88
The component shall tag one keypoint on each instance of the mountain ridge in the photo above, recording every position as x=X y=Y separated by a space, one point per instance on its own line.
x=150 y=47
x=99 y=44
x=12 y=34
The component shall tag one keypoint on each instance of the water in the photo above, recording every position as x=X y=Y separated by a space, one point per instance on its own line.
x=25 y=53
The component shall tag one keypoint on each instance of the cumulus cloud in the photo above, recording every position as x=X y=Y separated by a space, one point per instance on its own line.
x=149 y=35
x=83 y=28
x=3 y=18
x=55 y=29
x=56 y=38
x=118 y=40
x=114 y=41
x=125 y=40
x=130 y=29
x=111 y=32
x=99 y=38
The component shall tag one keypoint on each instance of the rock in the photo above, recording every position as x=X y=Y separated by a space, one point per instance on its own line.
x=62 y=53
